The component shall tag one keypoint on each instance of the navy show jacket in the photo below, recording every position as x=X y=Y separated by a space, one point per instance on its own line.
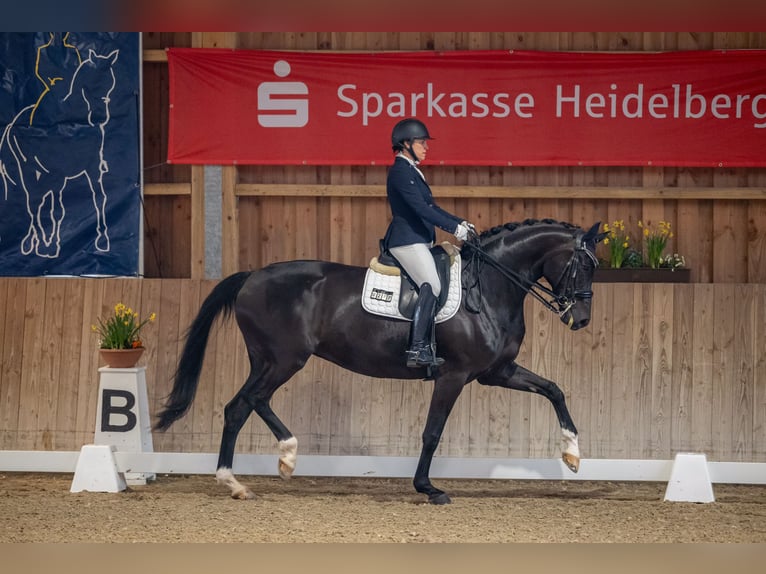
x=415 y=214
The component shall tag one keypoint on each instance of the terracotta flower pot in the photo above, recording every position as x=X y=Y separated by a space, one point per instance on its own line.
x=121 y=358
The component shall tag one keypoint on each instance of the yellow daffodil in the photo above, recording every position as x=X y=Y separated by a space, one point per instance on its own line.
x=121 y=330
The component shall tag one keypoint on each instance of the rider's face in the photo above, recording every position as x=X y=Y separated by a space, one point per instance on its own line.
x=420 y=149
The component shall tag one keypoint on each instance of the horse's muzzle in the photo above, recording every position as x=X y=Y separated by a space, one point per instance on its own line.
x=574 y=324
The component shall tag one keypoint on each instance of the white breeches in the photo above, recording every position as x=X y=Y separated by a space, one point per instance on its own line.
x=419 y=264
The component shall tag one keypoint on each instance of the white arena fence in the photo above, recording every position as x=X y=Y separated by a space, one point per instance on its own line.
x=387 y=466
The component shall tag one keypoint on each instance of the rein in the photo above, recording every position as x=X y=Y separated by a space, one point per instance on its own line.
x=558 y=304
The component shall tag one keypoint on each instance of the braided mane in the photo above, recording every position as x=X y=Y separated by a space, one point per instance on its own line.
x=512 y=226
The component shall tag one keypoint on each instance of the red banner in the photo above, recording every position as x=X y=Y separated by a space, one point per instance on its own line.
x=698 y=108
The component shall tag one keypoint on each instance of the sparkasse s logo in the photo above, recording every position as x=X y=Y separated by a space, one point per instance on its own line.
x=287 y=112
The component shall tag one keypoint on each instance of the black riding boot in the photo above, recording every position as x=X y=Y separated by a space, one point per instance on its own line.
x=422 y=351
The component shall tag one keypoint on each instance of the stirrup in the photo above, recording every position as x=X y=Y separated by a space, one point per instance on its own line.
x=423 y=357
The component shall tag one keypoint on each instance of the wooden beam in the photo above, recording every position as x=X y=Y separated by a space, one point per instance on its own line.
x=309 y=190
x=167 y=188
x=198 y=222
x=229 y=221
x=479 y=192
x=197 y=266
x=501 y=192
x=158 y=56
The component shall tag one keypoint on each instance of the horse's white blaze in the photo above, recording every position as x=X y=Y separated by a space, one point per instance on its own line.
x=289 y=450
x=224 y=476
x=570 y=443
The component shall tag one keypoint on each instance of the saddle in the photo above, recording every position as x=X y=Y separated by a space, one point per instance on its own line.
x=390 y=292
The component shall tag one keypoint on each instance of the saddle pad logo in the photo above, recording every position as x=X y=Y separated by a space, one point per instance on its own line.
x=381 y=295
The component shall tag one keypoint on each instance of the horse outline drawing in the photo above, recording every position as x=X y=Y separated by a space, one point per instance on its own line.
x=38 y=129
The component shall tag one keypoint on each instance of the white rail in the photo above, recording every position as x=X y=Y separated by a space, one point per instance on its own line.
x=387 y=466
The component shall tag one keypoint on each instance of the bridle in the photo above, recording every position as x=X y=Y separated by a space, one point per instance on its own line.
x=559 y=304
x=571 y=295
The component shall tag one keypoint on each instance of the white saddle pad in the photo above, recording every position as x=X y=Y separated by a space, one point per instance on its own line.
x=381 y=294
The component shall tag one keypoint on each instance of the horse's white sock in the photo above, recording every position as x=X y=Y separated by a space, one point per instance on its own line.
x=570 y=443
x=224 y=476
x=289 y=450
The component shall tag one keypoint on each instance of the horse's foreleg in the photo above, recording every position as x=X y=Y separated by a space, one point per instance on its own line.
x=445 y=393
x=514 y=376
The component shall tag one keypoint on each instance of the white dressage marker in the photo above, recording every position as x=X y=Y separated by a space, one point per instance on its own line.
x=689 y=479
x=97 y=470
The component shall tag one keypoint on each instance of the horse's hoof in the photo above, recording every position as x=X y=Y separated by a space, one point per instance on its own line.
x=285 y=470
x=439 y=498
x=572 y=461
x=289 y=450
x=244 y=494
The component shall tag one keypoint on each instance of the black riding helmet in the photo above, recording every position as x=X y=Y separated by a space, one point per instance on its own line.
x=406 y=131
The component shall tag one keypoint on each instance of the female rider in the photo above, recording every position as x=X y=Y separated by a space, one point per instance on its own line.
x=412 y=233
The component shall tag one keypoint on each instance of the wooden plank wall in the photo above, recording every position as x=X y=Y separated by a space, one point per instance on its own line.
x=662 y=368
x=722 y=235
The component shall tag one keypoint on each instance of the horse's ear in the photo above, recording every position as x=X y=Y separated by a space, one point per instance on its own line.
x=593 y=235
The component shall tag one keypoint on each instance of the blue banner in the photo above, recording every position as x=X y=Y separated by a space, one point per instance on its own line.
x=70 y=193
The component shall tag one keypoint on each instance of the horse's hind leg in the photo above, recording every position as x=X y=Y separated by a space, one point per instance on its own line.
x=514 y=376
x=255 y=395
x=236 y=413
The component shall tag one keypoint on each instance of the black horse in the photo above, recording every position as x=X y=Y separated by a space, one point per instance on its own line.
x=291 y=310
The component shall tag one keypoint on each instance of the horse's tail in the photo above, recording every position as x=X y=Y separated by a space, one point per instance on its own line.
x=186 y=378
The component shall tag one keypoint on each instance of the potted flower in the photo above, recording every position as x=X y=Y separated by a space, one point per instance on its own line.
x=673 y=261
x=618 y=243
x=120 y=344
x=628 y=265
x=656 y=240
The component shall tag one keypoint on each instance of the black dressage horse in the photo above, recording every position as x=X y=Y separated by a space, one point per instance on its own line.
x=291 y=310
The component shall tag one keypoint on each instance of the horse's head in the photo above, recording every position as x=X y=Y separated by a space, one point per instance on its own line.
x=561 y=253
x=93 y=82
x=569 y=270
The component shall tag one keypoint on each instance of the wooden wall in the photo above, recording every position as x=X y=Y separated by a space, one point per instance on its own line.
x=276 y=213
x=662 y=368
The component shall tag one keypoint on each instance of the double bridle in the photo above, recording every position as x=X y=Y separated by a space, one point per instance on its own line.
x=558 y=304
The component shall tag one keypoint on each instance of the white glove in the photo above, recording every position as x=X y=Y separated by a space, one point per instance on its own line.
x=463 y=230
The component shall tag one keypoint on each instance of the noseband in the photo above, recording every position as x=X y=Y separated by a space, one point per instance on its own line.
x=570 y=295
x=559 y=304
